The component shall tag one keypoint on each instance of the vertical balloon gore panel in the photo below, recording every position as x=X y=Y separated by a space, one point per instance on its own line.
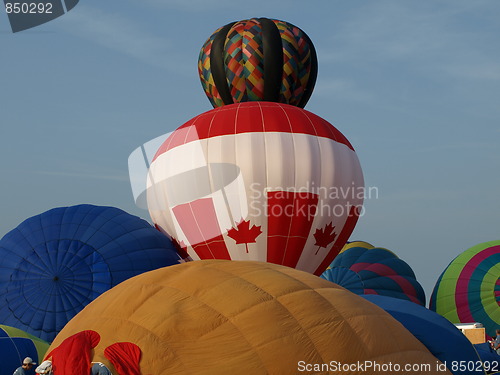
x=205 y=236
x=260 y=181
x=198 y=201
x=290 y=217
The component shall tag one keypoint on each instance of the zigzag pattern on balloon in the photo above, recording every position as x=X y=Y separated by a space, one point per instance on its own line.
x=296 y=71
x=207 y=79
x=243 y=60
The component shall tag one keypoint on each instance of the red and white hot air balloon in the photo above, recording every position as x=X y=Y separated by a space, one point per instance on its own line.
x=257 y=181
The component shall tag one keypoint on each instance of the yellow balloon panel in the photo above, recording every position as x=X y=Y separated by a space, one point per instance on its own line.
x=227 y=317
x=350 y=245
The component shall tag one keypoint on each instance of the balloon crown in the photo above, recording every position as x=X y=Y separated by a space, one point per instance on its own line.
x=258 y=59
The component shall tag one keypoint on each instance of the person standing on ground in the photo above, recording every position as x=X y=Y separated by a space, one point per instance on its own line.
x=27 y=365
x=496 y=343
x=99 y=368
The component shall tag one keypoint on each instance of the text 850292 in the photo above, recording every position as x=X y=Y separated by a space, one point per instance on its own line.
x=28 y=8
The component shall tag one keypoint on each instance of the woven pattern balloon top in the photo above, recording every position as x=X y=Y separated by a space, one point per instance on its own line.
x=258 y=60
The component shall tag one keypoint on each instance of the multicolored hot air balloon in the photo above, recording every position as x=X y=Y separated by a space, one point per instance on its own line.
x=221 y=317
x=469 y=288
x=54 y=264
x=15 y=345
x=375 y=270
x=257 y=181
x=258 y=60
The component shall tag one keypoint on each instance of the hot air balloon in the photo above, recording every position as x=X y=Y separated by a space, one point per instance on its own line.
x=468 y=290
x=375 y=270
x=54 y=264
x=15 y=345
x=257 y=181
x=222 y=317
x=258 y=60
x=441 y=337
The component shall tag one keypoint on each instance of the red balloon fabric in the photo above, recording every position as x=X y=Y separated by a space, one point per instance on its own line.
x=74 y=355
x=125 y=357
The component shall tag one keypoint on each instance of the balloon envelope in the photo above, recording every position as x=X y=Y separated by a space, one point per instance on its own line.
x=350 y=244
x=223 y=317
x=54 y=264
x=375 y=270
x=257 y=181
x=489 y=357
x=468 y=290
x=441 y=337
x=15 y=345
x=258 y=60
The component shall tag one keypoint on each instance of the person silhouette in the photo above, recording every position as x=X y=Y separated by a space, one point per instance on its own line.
x=26 y=366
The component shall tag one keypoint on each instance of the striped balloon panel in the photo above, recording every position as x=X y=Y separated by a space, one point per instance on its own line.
x=380 y=272
x=296 y=69
x=468 y=290
x=244 y=61
x=205 y=73
x=352 y=244
x=249 y=181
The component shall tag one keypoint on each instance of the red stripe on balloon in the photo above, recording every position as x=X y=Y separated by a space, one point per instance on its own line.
x=406 y=286
x=180 y=137
x=415 y=300
x=198 y=221
x=346 y=231
x=385 y=271
x=462 y=290
x=290 y=218
x=497 y=292
x=378 y=268
x=252 y=117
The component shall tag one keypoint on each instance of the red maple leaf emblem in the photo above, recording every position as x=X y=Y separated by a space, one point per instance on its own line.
x=325 y=236
x=180 y=247
x=244 y=234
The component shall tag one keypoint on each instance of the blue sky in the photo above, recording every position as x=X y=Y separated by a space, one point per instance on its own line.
x=415 y=86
